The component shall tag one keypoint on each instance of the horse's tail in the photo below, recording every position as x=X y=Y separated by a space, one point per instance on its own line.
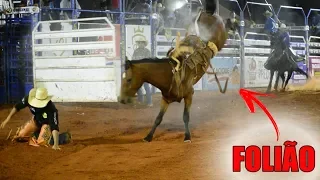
x=298 y=70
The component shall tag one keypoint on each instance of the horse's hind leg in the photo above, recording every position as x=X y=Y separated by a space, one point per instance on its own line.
x=186 y=117
x=283 y=78
x=287 y=81
x=163 y=109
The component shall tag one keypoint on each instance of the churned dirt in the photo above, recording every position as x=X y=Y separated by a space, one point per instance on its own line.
x=107 y=139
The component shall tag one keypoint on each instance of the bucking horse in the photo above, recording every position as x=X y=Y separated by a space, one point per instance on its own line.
x=176 y=79
x=282 y=60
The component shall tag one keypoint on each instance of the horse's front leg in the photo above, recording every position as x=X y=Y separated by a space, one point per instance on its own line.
x=270 y=81
x=163 y=109
x=186 y=117
x=277 y=81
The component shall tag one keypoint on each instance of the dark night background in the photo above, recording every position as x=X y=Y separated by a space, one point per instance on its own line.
x=288 y=15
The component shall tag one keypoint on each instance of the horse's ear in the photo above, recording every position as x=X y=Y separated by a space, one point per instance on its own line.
x=127 y=64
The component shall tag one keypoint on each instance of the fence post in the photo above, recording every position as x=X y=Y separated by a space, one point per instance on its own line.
x=74 y=9
x=152 y=29
x=307 y=44
x=242 y=50
x=6 y=60
x=122 y=34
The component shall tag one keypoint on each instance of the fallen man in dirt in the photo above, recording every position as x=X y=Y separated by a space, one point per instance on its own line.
x=43 y=128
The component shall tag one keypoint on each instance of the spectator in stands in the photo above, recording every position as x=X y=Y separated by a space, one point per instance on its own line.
x=68 y=14
x=141 y=7
x=158 y=18
x=233 y=25
x=140 y=53
x=315 y=24
x=170 y=20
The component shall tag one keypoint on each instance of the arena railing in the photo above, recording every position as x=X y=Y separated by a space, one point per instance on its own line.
x=314 y=46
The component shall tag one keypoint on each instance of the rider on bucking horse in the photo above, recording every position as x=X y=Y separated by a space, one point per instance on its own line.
x=194 y=29
x=280 y=39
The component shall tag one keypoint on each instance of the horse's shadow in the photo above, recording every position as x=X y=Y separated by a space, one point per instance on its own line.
x=106 y=141
x=124 y=138
x=105 y=105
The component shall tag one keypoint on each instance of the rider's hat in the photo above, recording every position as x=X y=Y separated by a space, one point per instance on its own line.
x=38 y=97
x=267 y=13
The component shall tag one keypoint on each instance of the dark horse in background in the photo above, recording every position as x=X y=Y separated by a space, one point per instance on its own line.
x=281 y=60
x=159 y=72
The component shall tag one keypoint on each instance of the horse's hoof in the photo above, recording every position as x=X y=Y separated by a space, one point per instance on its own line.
x=187 y=141
x=282 y=90
x=147 y=139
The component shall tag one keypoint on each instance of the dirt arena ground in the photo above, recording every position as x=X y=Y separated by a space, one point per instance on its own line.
x=107 y=138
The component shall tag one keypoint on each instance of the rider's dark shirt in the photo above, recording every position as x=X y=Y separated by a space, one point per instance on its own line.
x=47 y=115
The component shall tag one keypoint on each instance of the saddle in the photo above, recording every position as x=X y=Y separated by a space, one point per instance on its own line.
x=190 y=52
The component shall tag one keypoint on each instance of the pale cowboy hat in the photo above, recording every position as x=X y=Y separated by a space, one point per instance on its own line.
x=142 y=39
x=267 y=13
x=160 y=7
x=38 y=97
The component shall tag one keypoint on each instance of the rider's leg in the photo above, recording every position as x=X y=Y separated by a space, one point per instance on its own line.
x=176 y=52
x=25 y=132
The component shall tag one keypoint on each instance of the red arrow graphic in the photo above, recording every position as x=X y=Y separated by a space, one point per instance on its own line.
x=249 y=98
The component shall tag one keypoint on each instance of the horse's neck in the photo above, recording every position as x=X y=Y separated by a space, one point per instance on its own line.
x=158 y=74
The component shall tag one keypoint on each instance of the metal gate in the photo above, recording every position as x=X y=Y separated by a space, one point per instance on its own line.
x=3 y=96
x=73 y=63
x=18 y=57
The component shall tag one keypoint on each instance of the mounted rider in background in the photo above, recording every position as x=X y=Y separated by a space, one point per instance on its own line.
x=280 y=41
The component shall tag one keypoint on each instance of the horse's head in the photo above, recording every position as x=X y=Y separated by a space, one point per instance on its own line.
x=212 y=28
x=130 y=83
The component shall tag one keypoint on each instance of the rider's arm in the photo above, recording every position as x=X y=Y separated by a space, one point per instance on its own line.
x=22 y=104
x=53 y=118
